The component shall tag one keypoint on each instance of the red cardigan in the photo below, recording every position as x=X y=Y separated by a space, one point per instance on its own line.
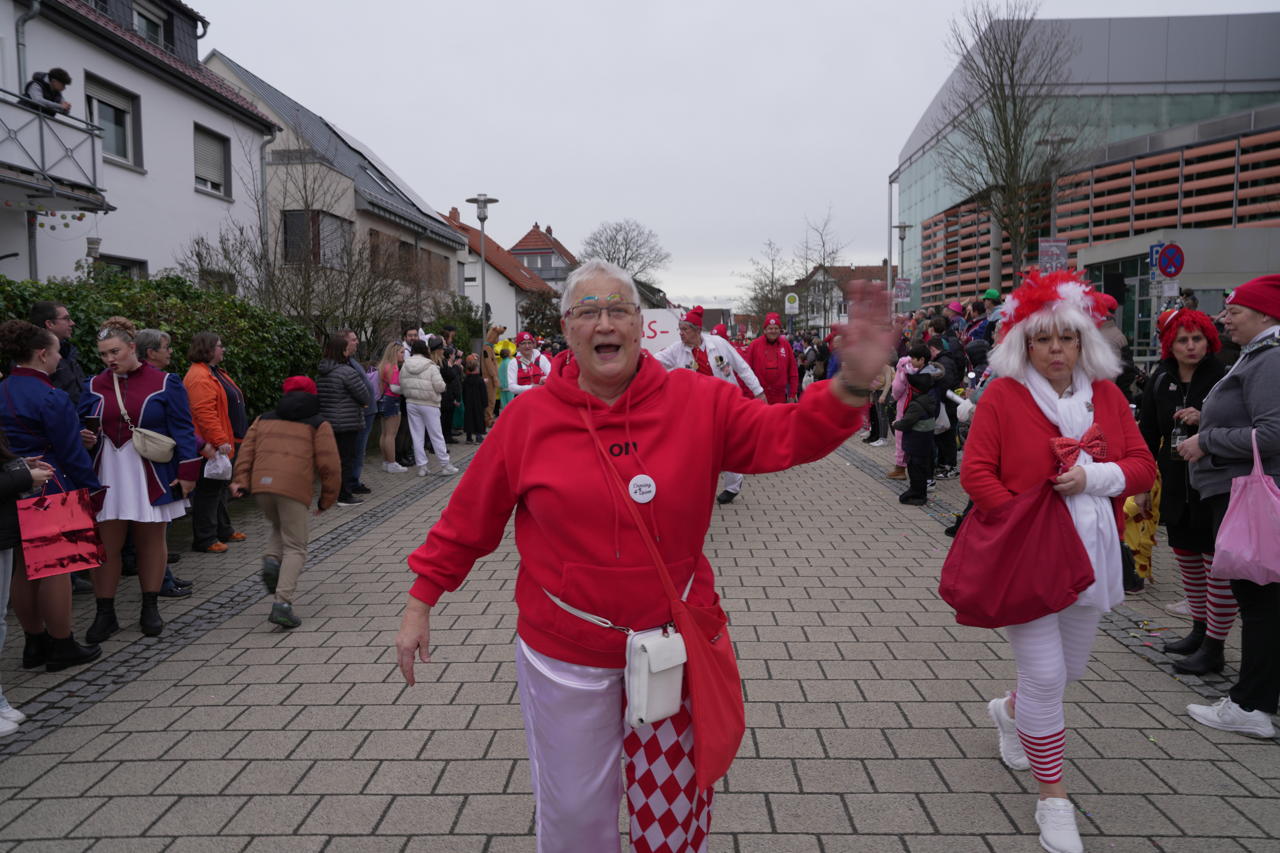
x=1007 y=451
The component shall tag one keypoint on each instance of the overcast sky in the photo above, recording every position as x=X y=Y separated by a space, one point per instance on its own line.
x=718 y=124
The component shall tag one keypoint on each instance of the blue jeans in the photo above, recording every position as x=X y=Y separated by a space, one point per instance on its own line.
x=6 y=579
x=357 y=467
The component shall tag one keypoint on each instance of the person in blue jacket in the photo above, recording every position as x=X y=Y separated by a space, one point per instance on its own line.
x=143 y=495
x=40 y=422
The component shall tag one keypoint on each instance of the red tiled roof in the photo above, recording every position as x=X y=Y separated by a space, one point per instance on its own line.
x=196 y=73
x=538 y=242
x=500 y=259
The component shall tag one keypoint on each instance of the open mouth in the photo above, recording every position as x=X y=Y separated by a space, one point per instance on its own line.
x=607 y=351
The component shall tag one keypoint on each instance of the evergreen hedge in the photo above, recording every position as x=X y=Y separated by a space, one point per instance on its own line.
x=262 y=348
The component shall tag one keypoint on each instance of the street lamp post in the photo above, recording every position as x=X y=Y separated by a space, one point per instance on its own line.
x=902 y=228
x=1055 y=144
x=482 y=202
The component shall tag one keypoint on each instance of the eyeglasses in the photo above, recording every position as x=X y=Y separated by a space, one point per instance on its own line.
x=618 y=312
x=1046 y=341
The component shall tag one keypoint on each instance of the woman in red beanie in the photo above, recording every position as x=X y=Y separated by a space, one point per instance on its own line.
x=1246 y=403
x=282 y=455
x=1171 y=402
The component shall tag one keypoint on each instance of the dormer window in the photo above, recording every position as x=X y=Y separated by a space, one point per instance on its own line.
x=149 y=21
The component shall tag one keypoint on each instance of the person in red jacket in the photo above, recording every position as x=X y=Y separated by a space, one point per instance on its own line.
x=608 y=410
x=774 y=362
x=1055 y=414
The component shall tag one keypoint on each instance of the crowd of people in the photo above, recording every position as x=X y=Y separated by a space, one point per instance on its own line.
x=1011 y=393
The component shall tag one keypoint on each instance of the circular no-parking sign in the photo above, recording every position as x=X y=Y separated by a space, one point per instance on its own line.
x=1171 y=260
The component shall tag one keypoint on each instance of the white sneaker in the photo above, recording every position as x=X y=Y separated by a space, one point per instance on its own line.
x=1011 y=751
x=1179 y=608
x=1057 y=820
x=879 y=442
x=393 y=468
x=1230 y=717
x=7 y=727
x=448 y=471
x=12 y=714
x=423 y=470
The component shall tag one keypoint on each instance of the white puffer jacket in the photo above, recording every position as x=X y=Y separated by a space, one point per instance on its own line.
x=420 y=381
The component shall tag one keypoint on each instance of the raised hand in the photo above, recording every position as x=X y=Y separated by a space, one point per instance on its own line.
x=869 y=334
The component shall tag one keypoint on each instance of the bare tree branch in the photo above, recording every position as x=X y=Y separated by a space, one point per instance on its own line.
x=628 y=244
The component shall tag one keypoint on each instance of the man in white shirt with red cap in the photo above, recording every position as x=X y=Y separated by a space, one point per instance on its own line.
x=529 y=368
x=713 y=356
x=774 y=362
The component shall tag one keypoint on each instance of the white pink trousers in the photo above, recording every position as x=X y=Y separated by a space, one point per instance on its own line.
x=573 y=722
x=1050 y=652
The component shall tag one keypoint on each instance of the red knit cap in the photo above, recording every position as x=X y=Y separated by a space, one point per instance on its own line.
x=772 y=319
x=521 y=337
x=299 y=383
x=1262 y=295
x=720 y=330
x=693 y=317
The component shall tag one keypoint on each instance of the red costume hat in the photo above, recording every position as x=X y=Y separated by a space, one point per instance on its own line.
x=521 y=337
x=772 y=319
x=1053 y=291
x=1262 y=294
x=299 y=383
x=693 y=317
x=720 y=330
x=1170 y=322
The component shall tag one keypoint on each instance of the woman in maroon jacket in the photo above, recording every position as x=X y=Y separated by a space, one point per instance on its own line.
x=668 y=435
x=1055 y=370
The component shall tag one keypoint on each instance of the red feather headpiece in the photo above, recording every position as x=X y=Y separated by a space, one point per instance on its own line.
x=1049 y=291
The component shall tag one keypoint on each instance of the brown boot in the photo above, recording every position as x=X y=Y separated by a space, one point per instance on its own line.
x=898 y=473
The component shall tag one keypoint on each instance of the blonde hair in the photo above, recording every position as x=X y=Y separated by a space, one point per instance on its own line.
x=389 y=355
x=118 y=327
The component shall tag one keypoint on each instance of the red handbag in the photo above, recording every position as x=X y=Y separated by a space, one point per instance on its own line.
x=1021 y=561
x=711 y=669
x=59 y=534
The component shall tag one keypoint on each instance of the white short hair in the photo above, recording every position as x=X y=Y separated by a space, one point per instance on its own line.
x=1098 y=359
x=596 y=268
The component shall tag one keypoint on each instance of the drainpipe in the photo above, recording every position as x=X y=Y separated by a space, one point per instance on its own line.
x=33 y=273
x=20 y=42
x=264 y=200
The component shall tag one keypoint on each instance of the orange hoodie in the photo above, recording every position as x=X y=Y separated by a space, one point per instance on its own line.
x=575 y=537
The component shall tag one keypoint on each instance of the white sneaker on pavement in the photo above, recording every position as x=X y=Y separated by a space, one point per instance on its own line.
x=1057 y=820
x=1011 y=751
x=1179 y=608
x=7 y=727
x=393 y=468
x=1230 y=717
x=423 y=470
x=879 y=442
x=12 y=714
x=448 y=471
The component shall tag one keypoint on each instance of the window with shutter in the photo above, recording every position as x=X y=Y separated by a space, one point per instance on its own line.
x=296 y=225
x=114 y=111
x=211 y=161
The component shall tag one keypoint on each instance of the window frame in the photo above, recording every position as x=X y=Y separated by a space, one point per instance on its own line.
x=115 y=97
x=152 y=14
x=225 y=191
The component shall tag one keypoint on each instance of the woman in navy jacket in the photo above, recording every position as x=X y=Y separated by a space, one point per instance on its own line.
x=40 y=421
x=142 y=495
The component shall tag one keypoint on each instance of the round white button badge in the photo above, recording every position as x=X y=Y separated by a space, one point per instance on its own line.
x=642 y=488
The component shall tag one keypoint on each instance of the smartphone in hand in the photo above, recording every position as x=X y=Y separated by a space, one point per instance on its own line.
x=93 y=423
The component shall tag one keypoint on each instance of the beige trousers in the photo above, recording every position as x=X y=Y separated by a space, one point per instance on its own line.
x=288 y=540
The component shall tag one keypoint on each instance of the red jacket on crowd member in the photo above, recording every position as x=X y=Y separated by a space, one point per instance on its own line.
x=577 y=540
x=1009 y=430
x=774 y=364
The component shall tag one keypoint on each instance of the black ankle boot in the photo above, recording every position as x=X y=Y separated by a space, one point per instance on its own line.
x=65 y=652
x=104 y=624
x=36 y=650
x=150 y=619
x=1208 y=658
x=1189 y=643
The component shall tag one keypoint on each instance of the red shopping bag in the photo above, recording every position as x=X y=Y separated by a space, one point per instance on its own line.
x=1017 y=563
x=59 y=535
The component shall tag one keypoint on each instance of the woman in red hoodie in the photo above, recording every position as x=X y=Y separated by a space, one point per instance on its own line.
x=669 y=435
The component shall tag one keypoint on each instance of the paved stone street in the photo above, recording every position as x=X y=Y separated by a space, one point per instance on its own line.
x=866 y=702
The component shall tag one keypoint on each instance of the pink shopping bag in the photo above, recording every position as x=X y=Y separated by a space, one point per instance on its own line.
x=1248 y=546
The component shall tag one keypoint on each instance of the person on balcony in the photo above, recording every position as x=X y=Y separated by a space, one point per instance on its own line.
x=46 y=88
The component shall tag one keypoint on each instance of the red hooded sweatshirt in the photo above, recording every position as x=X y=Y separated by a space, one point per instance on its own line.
x=576 y=538
x=774 y=364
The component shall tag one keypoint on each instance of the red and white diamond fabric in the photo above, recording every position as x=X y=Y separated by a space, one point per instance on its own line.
x=668 y=813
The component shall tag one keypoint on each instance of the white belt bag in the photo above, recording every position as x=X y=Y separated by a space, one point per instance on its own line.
x=654 y=677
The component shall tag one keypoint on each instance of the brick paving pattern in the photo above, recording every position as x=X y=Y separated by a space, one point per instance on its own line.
x=866 y=702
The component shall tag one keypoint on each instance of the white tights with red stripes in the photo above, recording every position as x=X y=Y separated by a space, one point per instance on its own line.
x=1050 y=652
x=1209 y=599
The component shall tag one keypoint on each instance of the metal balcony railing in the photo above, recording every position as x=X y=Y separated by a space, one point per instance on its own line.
x=54 y=149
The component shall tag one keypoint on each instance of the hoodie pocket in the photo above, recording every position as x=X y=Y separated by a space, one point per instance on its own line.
x=628 y=596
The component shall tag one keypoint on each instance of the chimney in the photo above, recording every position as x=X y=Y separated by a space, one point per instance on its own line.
x=535 y=227
x=453 y=214
x=549 y=231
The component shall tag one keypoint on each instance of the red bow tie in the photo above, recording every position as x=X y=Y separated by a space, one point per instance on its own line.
x=1067 y=450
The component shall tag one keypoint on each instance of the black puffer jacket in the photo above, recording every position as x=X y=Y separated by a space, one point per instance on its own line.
x=14 y=480
x=344 y=394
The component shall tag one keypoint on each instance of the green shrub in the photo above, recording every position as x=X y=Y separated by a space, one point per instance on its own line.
x=262 y=348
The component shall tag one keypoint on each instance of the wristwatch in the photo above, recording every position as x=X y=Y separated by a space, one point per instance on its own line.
x=853 y=390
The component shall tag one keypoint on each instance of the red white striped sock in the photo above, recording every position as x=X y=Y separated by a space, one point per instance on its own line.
x=1220 y=604
x=1045 y=755
x=1194 y=573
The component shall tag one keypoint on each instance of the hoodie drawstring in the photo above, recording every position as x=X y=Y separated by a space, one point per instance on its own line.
x=608 y=487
